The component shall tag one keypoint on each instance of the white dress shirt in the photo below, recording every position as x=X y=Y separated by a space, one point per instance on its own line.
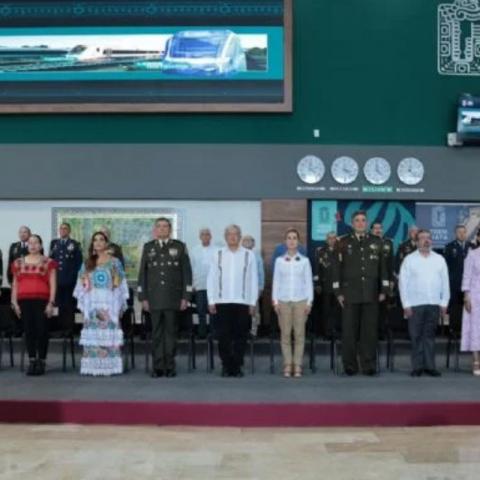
x=292 y=279
x=424 y=280
x=232 y=277
x=201 y=258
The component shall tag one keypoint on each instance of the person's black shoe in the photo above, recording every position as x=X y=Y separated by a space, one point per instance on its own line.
x=239 y=373
x=432 y=373
x=350 y=372
x=416 y=373
x=371 y=372
x=225 y=372
x=157 y=373
x=32 y=368
x=171 y=373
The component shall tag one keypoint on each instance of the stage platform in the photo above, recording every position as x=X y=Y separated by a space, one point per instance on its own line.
x=260 y=399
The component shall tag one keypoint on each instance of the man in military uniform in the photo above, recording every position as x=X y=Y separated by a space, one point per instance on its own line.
x=360 y=282
x=408 y=246
x=164 y=288
x=68 y=254
x=114 y=249
x=323 y=280
x=18 y=249
x=376 y=229
x=455 y=253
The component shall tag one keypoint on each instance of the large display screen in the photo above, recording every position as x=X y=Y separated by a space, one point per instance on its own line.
x=163 y=55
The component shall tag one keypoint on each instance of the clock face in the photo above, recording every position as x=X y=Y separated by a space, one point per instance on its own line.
x=345 y=170
x=377 y=170
x=310 y=169
x=411 y=171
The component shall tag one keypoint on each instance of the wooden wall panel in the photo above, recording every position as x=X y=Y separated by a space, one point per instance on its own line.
x=277 y=216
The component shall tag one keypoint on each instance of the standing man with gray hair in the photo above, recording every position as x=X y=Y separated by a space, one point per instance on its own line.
x=232 y=289
x=164 y=288
x=201 y=257
x=425 y=293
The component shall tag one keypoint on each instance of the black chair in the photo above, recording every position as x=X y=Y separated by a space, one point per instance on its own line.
x=396 y=332
x=7 y=324
x=209 y=340
x=454 y=333
x=127 y=323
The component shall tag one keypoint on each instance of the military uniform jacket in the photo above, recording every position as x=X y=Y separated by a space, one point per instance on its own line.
x=359 y=272
x=323 y=275
x=455 y=255
x=165 y=276
x=68 y=255
x=404 y=249
x=1 y=267
x=16 y=250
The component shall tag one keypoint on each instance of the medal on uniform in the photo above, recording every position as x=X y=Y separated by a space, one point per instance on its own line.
x=173 y=252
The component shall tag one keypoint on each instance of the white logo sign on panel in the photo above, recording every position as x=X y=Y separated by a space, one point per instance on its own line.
x=459 y=38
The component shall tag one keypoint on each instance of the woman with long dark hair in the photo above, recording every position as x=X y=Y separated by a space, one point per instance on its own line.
x=33 y=295
x=102 y=295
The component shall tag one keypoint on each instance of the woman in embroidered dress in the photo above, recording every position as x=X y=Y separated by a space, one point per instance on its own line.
x=102 y=295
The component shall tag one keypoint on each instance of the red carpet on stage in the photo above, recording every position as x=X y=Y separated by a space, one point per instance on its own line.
x=241 y=415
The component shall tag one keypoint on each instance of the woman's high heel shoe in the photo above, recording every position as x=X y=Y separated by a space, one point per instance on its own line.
x=298 y=372
x=287 y=371
x=476 y=369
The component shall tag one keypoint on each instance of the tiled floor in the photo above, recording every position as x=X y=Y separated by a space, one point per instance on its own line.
x=71 y=452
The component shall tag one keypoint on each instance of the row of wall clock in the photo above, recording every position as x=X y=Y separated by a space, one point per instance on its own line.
x=345 y=170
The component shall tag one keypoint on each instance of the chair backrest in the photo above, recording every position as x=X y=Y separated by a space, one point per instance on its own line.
x=396 y=324
x=7 y=319
x=6 y=296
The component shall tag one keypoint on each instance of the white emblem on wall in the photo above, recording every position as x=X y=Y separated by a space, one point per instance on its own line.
x=459 y=38
x=439 y=217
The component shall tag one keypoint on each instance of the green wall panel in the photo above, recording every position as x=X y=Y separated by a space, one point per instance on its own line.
x=365 y=72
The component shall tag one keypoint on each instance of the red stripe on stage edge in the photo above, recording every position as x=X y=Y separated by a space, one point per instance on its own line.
x=241 y=415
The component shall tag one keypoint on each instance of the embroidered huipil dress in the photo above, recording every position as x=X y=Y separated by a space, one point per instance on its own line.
x=102 y=296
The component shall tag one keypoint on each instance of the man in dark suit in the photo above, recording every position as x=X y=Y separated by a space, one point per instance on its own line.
x=376 y=229
x=455 y=253
x=407 y=247
x=68 y=254
x=18 y=249
x=1 y=268
x=323 y=281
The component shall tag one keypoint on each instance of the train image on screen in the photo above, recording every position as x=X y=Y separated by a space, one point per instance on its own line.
x=88 y=53
x=204 y=52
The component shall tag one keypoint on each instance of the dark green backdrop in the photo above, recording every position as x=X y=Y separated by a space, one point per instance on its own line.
x=365 y=72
